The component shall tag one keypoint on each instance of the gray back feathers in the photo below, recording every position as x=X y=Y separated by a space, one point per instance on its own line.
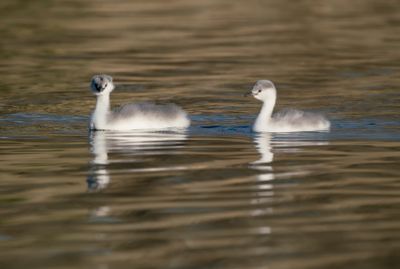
x=297 y=117
x=149 y=110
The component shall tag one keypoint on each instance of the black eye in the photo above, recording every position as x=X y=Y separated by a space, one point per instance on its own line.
x=105 y=85
x=259 y=90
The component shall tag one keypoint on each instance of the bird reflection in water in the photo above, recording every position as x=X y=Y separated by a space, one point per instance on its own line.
x=267 y=145
x=104 y=142
x=264 y=186
x=263 y=146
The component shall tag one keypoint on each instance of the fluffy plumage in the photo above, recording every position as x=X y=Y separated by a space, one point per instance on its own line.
x=150 y=110
x=292 y=120
x=148 y=116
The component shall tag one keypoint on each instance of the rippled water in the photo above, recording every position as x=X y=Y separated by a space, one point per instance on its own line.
x=217 y=195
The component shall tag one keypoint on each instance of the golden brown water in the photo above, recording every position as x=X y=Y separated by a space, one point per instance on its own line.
x=218 y=195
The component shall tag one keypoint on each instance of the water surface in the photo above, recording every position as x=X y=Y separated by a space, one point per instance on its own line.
x=216 y=195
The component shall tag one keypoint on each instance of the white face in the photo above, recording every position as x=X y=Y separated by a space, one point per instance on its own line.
x=101 y=84
x=263 y=90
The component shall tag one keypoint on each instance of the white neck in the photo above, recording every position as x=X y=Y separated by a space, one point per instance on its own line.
x=99 y=117
x=265 y=114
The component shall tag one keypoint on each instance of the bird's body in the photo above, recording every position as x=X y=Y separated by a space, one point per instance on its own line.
x=292 y=120
x=132 y=116
x=146 y=116
x=285 y=121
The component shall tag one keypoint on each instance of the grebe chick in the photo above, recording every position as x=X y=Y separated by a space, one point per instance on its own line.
x=131 y=116
x=287 y=121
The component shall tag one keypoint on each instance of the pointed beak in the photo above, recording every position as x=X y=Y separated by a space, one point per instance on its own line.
x=247 y=94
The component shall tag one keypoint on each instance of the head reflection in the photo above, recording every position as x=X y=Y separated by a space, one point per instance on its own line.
x=126 y=143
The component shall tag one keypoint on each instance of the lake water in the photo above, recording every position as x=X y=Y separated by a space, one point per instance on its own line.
x=218 y=195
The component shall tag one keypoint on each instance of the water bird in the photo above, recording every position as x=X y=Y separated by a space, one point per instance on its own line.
x=289 y=120
x=131 y=116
